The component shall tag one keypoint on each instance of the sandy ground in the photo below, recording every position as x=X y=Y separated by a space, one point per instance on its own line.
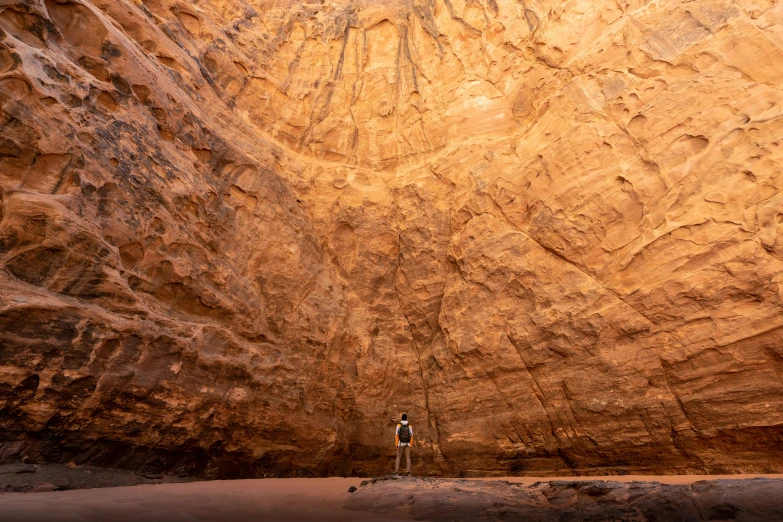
x=242 y=500
x=236 y=501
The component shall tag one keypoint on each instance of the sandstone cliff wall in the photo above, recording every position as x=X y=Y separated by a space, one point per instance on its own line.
x=240 y=237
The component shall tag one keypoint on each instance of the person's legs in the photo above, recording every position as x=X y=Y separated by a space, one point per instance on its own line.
x=408 y=459
x=397 y=463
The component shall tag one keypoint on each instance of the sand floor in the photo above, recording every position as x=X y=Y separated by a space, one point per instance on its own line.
x=239 y=501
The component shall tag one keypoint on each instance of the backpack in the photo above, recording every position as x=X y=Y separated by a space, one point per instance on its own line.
x=404 y=433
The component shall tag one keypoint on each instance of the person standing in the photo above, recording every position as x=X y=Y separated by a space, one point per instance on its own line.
x=403 y=438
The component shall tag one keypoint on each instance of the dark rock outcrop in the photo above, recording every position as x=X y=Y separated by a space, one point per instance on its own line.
x=757 y=500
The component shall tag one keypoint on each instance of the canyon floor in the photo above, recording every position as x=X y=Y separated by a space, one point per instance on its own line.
x=642 y=498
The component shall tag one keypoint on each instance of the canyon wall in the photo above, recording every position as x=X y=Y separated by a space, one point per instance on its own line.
x=241 y=237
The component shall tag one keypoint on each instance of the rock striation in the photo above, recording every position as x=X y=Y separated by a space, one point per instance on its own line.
x=240 y=237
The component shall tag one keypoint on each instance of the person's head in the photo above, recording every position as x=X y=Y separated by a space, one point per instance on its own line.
x=404 y=416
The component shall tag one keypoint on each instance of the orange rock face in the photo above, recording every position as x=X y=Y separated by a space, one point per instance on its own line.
x=240 y=237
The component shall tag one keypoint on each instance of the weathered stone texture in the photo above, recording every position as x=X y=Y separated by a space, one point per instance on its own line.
x=240 y=237
x=435 y=500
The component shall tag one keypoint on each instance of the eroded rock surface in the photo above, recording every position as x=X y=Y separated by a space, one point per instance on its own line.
x=37 y=478
x=757 y=500
x=240 y=237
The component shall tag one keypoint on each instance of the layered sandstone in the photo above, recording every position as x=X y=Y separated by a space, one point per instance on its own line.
x=240 y=237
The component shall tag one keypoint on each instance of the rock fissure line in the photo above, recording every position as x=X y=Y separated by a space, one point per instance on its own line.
x=398 y=271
